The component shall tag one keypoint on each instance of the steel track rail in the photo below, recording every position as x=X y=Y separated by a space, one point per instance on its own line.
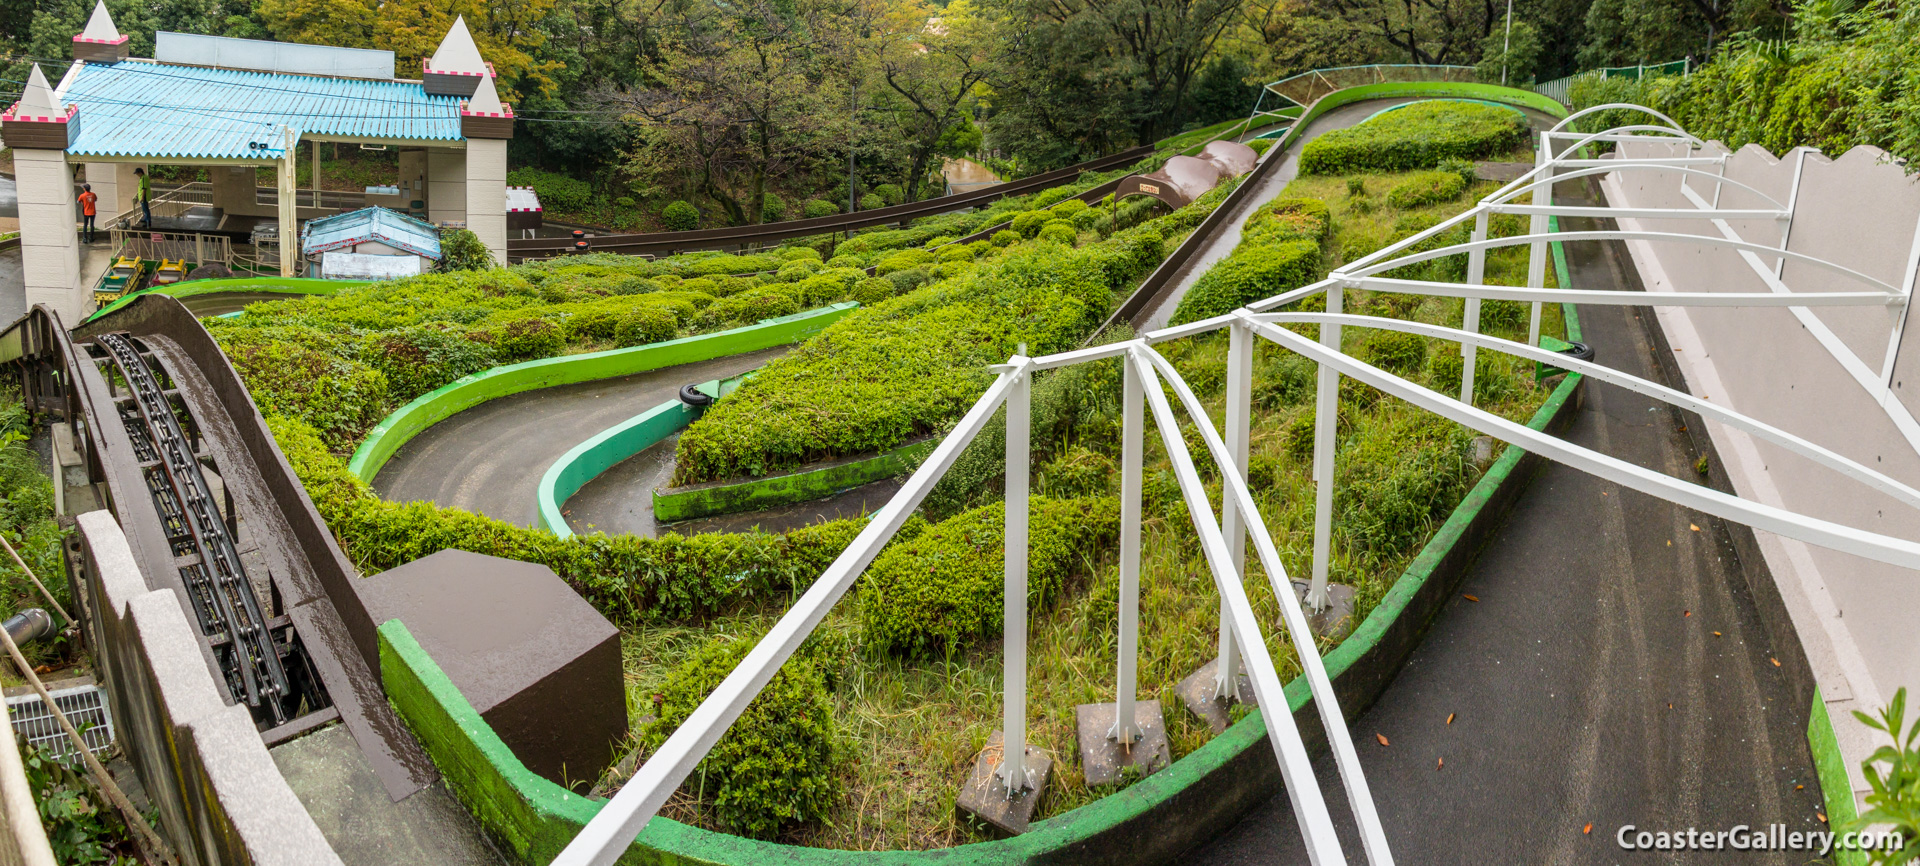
x=223 y=596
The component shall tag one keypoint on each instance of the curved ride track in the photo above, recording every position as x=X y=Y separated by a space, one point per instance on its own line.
x=1587 y=684
x=1157 y=312
x=489 y=459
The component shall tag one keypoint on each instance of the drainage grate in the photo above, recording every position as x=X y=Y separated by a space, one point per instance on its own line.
x=86 y=708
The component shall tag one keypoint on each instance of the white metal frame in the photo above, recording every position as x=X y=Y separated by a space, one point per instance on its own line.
x=1147 y=379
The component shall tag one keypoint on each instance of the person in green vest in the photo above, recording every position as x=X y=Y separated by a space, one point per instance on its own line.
x=146 y=196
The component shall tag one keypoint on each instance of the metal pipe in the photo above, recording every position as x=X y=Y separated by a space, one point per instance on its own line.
x=29 y=625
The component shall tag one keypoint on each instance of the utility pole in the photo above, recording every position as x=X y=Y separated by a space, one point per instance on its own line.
x=853 y=126
x=1506 y=46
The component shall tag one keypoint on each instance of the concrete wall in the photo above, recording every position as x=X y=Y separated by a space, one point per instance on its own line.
x=447 y=185
x=219 y=796
x=49 y=245
x=1814 y=373
x=487 y=193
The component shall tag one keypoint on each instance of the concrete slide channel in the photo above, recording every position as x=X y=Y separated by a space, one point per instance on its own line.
x=1611 y=668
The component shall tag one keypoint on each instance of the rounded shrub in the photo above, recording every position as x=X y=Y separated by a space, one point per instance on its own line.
x=1028 y=224
x=980 y=248
x=1068 y=208
x=871 y=202
x=957 y=253
x=1060 y=232
x=775 y=766
x=773 y=208
x=800 y=254
x=891 y=193
x=592 y=326
x=907 y=281
x=873 y=290
x=901 y=260
x=933 y=595
x=1396 y=351
x=648 y=324
x=680 y=217
x=526 y=339
x=633 y=286
x=816 y=208
x=817 y=290
x=796 y=271
x=1005 y=237
x=1248 y=275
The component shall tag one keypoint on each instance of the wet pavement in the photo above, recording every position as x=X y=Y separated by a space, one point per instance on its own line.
x=1612 y=671
x=489 y=459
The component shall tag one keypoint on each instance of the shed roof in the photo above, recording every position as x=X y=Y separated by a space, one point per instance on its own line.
x=372 y=224
x=163 y=110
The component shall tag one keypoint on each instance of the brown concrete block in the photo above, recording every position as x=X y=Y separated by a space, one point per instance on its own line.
x=984 y=796
x=1103 y=761
x=532 y=656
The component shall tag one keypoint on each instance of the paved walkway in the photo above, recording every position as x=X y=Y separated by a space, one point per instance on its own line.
x=1588 y=684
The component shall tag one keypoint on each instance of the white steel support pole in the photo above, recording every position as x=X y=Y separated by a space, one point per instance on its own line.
x=1326 y=421
x=1013 y=765
x=1132 y=454
x=1793 y=201
x=1538 y=252
x=1476 y=275
x=1233 y=524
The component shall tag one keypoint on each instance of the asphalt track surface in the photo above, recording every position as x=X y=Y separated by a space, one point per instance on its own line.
x=490 y=458
x=1588 y=684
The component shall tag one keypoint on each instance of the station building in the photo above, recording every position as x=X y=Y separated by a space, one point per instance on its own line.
x=236 y=106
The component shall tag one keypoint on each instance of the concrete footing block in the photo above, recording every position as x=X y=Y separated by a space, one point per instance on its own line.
x=1337 y=621
x=1196 y=691
x=984 y=797
x=1103 y=760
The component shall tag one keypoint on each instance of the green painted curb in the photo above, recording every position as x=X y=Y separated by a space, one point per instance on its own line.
x=775 y=490
x=1835 y=787
x=535 y=817
x=467 y=392
x=585 y=461
x=276 y=285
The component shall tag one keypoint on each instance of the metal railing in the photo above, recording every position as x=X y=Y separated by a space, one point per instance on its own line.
x=1148 y=376
x=1303 y=89
x=323 y=199
x=1559 y=89
x=172 y=203
x=187 y=246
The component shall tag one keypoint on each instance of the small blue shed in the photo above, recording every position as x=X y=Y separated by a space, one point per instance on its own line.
x=370 y=243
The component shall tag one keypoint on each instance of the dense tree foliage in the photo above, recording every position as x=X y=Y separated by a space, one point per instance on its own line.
x=755 y=110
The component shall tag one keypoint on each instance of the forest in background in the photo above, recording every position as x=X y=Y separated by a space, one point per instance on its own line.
x=759 y=110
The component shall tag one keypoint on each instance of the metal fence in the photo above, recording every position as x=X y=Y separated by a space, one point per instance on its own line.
x=1559 y=88
x=1148 y=378
x=187 y=246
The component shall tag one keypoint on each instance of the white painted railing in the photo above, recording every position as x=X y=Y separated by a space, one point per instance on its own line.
x=1149 y=376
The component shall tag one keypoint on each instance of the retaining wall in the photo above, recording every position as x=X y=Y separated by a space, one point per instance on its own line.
x=219 y=797
x=1850 y=616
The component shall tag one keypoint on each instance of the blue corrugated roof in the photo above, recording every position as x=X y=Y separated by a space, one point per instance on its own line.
x=164 y=110
x=389 y=227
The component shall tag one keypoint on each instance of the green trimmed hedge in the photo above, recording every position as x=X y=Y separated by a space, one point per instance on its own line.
x=935 y=594
x=774 y=766
x=1280 y=249
x=883 y=376
x=1425 y=188
x=1415 y=137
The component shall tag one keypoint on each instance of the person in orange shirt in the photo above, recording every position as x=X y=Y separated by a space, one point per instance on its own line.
x=89 y=208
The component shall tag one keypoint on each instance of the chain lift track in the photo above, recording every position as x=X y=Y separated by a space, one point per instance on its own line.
x=222 y=598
